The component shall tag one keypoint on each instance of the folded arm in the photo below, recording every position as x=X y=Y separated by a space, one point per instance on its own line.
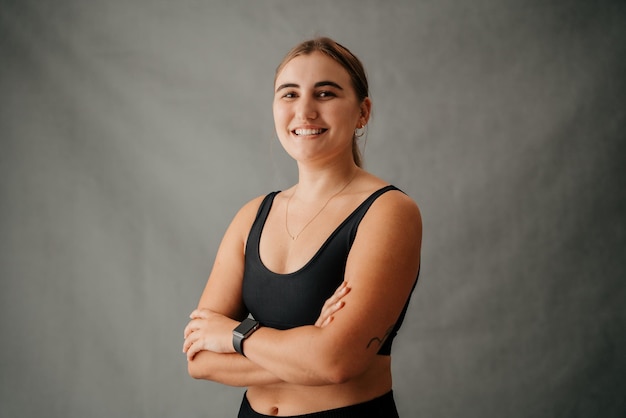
x=221 y=308
x=381 y=270
x=234 y=369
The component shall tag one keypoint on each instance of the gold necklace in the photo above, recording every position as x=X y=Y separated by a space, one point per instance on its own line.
x=295 y=237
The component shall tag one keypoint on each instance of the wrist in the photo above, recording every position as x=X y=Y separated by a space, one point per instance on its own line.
x=246 y=328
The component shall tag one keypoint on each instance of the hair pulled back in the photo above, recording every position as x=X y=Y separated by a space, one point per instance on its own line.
x=347 y=60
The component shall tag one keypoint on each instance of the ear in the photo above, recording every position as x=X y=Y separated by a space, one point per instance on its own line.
x=366 y=111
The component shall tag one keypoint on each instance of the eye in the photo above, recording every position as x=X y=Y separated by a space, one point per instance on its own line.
x=289 y=95
x=325 y=94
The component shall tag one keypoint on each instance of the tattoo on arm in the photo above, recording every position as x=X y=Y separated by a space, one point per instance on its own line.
x=380 y=340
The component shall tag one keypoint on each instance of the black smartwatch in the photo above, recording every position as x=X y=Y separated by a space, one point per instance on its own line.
x=243 y=331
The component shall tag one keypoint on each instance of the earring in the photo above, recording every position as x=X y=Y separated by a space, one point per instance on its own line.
x=361 y=133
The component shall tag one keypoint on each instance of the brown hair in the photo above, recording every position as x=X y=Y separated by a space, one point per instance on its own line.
x=347 y=60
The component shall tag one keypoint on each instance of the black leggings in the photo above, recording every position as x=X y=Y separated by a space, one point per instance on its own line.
x=381 y=407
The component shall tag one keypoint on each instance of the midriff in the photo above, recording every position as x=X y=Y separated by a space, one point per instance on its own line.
x=284 y=399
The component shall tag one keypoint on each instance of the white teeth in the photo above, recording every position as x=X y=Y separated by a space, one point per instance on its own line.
x=308 y=131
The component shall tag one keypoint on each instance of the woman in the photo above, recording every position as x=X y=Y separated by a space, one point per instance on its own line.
x=327 y=267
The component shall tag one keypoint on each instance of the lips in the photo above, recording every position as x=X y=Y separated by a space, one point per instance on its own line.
x=306 y=131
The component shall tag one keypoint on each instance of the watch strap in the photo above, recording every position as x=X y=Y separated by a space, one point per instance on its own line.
x=238 y=343
x=243 y=331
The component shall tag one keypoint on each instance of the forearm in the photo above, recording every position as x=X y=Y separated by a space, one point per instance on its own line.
x=290 y=358
x=303 y=356
x=295 y=356
x=230 y=369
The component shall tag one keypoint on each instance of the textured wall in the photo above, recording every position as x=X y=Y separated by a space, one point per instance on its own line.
x=131 y=131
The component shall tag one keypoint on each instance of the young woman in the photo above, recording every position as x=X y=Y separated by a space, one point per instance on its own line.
x=326 y=267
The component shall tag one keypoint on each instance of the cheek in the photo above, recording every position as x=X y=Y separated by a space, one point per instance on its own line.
x=281 y=120
x=348 y=113
x=280 y=115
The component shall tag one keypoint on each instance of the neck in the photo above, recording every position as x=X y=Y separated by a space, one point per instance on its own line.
x=315 y=183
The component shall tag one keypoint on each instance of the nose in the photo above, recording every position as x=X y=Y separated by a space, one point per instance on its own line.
x=306 y=109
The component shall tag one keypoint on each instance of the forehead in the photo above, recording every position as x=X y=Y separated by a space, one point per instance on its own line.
x=316 y=66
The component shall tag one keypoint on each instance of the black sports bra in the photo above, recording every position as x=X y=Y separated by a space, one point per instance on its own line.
x=285 y=301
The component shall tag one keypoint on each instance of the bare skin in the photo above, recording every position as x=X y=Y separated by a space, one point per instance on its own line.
x=334 y=362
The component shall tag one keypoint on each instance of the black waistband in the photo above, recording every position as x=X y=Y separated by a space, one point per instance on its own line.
x=382 y=407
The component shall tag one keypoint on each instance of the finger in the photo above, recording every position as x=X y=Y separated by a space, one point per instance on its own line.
x=189 y=341
x=322 y=318
x=187 y=330
x=190 y=354
x=192 y=326
x=343 y=287
x=340 y=289
x=194 y=349
x=343 y=290
x=327 y=313
x=199 y=314
x=326 y=321
x=332 y=304
x=339 y=293
x=332 y=309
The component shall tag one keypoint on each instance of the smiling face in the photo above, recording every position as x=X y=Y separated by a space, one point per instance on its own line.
x=316 y=109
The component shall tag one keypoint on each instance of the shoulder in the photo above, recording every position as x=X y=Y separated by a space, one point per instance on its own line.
x=393 y=212
x=245 y=216
x=392 y=205
x=397 y=202
x=391 y=202
x=250 y=208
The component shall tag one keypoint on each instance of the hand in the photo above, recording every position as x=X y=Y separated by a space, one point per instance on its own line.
x=332 y=305
x=208 y=331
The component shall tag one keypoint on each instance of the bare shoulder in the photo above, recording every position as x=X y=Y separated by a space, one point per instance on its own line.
x=250 y=208
x=393 y=202
x=393 y=212
x=244 y=218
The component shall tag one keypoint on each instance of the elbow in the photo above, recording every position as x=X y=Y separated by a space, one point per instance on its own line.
x=338 y=376
x=335 y=363
x=194 y=370
x=341 y=374
x=343 y=369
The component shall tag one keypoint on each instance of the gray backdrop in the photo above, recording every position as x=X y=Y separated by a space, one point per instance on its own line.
x=132 y=130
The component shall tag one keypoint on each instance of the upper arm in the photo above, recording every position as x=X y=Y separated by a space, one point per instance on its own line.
x=223 y=291
x=381 y=270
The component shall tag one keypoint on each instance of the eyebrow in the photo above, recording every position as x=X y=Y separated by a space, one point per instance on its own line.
x=318 y=84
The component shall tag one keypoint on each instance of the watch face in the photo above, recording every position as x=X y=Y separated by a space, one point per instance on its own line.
x=246 y=326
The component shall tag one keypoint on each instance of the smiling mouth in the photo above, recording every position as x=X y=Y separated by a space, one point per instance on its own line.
x=305 y=132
